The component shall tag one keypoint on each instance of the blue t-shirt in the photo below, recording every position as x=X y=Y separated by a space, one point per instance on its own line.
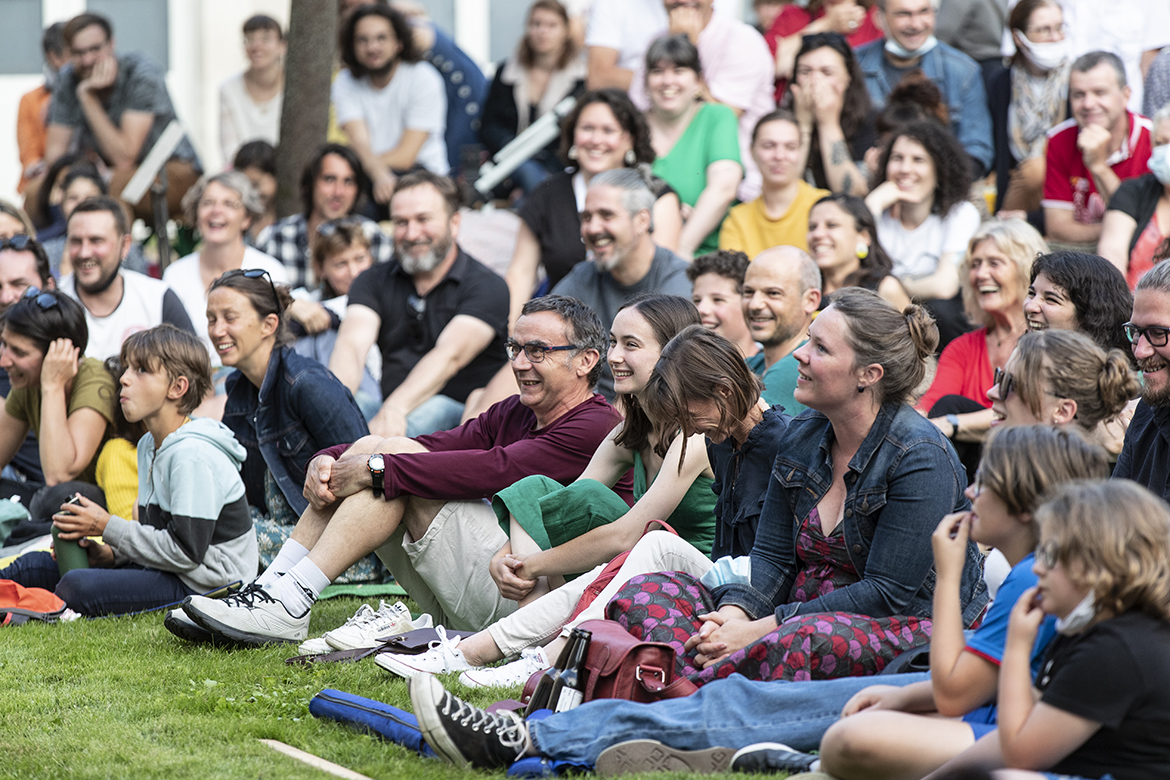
x=989 y=639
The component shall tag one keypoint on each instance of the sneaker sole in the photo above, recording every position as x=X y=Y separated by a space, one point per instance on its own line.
x=234 y=634
x=195 y=634
x=425 y=689
x=650 y=755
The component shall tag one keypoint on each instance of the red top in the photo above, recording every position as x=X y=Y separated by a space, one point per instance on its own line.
x=1068 y=183
x=793 y=19
x=963 y=369
x=500 y=447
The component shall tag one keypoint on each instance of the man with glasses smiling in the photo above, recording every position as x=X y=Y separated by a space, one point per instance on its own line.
x=422 y=503
x=1145 y=456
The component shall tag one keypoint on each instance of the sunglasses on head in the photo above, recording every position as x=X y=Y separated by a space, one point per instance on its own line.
x=18 y=242
x=46 y=300
x=255 y=273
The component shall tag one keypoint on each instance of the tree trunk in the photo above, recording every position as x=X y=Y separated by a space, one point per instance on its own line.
x=308 y=74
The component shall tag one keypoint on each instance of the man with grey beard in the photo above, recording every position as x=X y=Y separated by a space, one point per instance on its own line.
x=1145 y=457
x=438 y=316
x=617 y=227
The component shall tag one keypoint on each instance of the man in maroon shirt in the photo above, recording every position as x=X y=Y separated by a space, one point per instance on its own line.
x=421 y=502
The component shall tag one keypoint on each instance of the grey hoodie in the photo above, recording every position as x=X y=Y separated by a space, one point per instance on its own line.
x=194 y=518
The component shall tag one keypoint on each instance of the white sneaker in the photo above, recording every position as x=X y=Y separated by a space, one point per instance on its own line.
x=250 y=617
x=368 y=626
x=444 y=657
x=315 y=646
x=532 y=660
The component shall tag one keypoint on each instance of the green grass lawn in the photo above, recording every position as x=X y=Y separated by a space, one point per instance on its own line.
x=121 y=697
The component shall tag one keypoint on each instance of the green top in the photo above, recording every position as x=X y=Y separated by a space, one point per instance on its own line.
x=93 y=388
x=712 y=135
x=553 y=514
x=779 y=381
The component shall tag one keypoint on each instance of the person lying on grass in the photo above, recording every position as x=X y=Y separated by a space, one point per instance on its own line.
x=195 y=533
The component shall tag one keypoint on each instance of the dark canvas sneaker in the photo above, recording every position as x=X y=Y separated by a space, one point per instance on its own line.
x=250 y=617
x=185 y=628
x=771 y=757
x=650 y=755
x=464 y=734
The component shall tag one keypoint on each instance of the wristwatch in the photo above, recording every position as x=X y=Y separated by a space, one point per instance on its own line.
x=377 y=465
x=953 y=419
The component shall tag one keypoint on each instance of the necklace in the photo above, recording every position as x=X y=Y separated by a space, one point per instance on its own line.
x=1011 y=334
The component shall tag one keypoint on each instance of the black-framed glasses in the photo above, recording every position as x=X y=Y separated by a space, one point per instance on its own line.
x=1157 y=335
x=46 y=300
x=536 y=353
x=977 y=483
x=1047 y=553
x=1004 y=382
x=255 y=273
x=19 y=242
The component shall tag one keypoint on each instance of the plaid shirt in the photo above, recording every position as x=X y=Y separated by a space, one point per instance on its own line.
x=288 y=241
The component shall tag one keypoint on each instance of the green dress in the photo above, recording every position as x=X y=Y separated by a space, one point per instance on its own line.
x=712 y=135
x=553 y=514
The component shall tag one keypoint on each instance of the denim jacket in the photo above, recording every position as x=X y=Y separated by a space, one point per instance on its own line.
x=903 y=479
x=961 y=81
x=299 y=410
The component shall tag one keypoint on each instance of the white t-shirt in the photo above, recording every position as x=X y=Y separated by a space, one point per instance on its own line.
x=141 y=308
x=185 y=279
x=916 y=252
x=415 y=99
x=627 y=26
x=242 y=119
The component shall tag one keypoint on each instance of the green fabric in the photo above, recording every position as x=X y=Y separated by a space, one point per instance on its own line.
x=553 y=514
x=780 y=383
x=712 y=135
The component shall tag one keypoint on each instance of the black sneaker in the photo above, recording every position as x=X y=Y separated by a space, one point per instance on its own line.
x=185 y=628
x=649 y=755
x=771 y=757
x=464 y=734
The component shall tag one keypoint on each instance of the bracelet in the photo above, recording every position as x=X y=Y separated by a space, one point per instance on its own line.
x=953 y=419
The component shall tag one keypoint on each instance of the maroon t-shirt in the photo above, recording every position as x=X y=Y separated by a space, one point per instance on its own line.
x=498 y=449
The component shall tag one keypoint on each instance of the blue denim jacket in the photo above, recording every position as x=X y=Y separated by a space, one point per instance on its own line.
x=299 y=410
x=904 y=478
x=961 y=81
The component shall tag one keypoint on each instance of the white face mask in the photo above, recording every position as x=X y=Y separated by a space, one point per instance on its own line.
x=1160 y=163
x=898 y=50
x=1079 y=619
x=1047 y=55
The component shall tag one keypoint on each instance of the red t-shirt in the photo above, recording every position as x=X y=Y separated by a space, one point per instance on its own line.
x=965 y=369
x=793 y=19
x=1068 y=183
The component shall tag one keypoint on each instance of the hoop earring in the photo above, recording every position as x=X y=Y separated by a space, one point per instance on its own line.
x=862 y=250
x=631 y=158
x=573 y=152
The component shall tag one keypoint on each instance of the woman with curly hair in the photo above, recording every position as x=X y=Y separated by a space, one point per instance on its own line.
x=1078 y=291
x=603 y=132
x=924 y=219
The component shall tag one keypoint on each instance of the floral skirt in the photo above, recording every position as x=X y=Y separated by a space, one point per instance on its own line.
x=665 y=607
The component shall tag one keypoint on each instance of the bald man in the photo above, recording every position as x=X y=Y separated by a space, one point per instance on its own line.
x=781 y=293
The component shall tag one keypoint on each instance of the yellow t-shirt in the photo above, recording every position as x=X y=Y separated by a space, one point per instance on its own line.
x=117 y=476
x=748 y=229
x=93 y=388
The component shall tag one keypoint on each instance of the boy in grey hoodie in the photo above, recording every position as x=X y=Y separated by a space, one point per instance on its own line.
x=194 y=532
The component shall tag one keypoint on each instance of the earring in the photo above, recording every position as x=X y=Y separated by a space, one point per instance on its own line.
x=862 y=250
x=631 y=158
x=861 y=388
x=573 y=152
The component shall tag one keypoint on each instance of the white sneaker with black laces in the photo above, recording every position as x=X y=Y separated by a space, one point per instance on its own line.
x=369 y=626
x=443 y=657
x=532 y=660
x=250 y=617
x=464 y=734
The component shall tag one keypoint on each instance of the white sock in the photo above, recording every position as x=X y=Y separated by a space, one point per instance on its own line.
x=290 y=554
x=815 y=766
x=300 y=587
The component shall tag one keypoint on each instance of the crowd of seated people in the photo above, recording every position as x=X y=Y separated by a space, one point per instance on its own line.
x=822 y=327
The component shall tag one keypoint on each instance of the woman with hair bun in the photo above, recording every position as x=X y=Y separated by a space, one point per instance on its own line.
x=841 y=575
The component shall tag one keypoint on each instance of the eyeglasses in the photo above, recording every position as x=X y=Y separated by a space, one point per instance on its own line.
x=1047 y=553
x=231 y=205
x=977 y=483
x=1046 y=32
x=256 y=273
x=535 y=353
x=1003 y=382
x=1155 y=334
x=19 y=242
x=46 y=300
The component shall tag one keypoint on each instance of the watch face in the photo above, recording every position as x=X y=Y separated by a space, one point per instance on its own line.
x=377 y=463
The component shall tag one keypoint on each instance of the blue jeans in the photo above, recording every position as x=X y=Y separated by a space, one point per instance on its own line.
x=437 y=413
x=733 y=712
x=93 y=592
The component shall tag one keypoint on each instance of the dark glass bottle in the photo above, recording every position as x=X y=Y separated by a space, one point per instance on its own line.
x=542 y=694
x=569 y=691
